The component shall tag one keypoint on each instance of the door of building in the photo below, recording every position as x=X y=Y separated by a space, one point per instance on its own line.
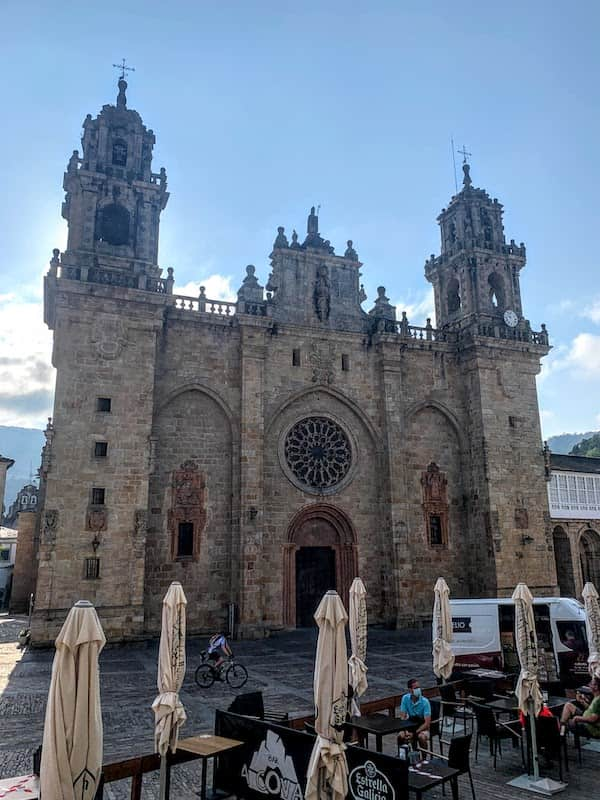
x=315 y=574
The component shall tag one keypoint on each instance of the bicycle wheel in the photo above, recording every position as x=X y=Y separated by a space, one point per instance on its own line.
x=236 y=676
x=204 y=676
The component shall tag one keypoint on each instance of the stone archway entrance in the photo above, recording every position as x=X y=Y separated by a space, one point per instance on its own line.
x=564 y=563
x=320 y=554
x=589 y=555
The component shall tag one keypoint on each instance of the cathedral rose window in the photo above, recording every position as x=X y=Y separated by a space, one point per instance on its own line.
x=318 y=453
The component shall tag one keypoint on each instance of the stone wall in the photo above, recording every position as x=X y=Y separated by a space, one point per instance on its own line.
x=25 y=569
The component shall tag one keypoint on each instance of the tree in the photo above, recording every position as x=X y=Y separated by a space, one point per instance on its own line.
x=588 y=447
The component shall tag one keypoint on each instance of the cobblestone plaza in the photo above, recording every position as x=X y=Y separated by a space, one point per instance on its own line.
x=281 y=667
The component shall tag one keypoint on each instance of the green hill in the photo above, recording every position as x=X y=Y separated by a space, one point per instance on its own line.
x=588 y=447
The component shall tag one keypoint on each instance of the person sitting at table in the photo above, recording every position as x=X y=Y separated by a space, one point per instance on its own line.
x=588 y=722
x=417 y=709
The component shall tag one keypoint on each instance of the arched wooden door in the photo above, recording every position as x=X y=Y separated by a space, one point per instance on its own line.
x=320 y=554
x=589 y=555
x=564 y=562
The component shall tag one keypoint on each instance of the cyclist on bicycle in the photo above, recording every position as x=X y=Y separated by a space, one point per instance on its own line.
x=218 y=651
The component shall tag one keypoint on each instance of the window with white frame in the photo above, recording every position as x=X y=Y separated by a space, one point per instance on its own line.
x=574 y=495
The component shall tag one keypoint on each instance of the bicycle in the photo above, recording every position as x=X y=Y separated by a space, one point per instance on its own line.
x=230 y=670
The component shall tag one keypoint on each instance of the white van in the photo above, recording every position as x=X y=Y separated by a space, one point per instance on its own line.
x=484 y=636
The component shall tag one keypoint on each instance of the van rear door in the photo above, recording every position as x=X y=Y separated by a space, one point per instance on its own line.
x=476 y=641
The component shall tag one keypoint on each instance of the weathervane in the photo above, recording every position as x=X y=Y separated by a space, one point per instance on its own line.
x=124 y=68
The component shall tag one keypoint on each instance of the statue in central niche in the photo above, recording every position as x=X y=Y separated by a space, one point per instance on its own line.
x=322 y=293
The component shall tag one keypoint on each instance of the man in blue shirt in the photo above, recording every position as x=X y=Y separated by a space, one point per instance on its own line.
x=417 y=709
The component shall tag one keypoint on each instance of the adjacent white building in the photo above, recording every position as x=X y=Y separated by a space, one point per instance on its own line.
x=574 y=502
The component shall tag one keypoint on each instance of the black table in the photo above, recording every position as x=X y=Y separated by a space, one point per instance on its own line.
x=380 y=725
x=424 y=777
x=507 y=705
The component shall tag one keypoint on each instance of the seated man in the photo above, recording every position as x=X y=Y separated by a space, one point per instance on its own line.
x=417 y=709
x=218 y=651
x=588 y=722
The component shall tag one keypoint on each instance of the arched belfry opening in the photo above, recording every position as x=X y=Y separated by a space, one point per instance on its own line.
x=320 y=554
x=496 y=292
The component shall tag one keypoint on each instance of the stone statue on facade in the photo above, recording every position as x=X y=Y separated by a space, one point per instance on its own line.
x=322 y=293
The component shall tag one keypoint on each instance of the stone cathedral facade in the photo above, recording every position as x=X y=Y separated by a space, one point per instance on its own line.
x=263 y=451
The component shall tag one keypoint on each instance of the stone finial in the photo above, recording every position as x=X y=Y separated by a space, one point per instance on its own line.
x=312 y=224
x=162 y=177
x=383 y=309
x=281 y=240
x=55 y=262
x=404 y=324
x=73 y=164
x=350 y=251
x=250 y=291
x=121 y=97
x=202 y=299
x=294 y=245
x=170 y=280
x=362 y=295
x=467 y=175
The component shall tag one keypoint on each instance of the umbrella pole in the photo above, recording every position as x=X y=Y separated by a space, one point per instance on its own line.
x=533 y=732
x=163 y=778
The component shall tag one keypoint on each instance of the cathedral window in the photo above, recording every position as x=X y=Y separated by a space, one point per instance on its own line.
x=98 y=496
x=295 y=357
x=119 y=153
x=185 y=539
x=103 y=404
x=435 y=505
x=91 y=568
x=435 y=530
x=187 y=515
x=318 y=453
x=101 y=449
x=453 y=296
x=345 y=362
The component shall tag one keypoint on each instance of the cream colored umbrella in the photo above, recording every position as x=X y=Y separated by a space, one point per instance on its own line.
x=528 y=689
x=72 y=744
x=168 y=709
x=327 y=776
x=592 y=624
x=443 y=657
x=357 y=669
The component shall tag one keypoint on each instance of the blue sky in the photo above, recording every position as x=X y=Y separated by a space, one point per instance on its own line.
x=262 y=109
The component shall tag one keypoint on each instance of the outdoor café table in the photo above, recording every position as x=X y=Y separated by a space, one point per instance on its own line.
x=508 y=705
x=380 y=725
x=206 y=745
x=423 y=777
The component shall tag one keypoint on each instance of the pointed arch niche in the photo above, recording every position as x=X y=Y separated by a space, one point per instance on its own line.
x=318 y=533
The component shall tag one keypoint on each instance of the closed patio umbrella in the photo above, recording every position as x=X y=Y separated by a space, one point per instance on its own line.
x=592 y=624
x=528 y=690
x=72 y=745
x=357 y=669
x=168 y=709
x=443 y=657
x=327 y=776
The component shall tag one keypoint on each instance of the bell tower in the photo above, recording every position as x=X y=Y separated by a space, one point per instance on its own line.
x=476 y=276
x=113 y=199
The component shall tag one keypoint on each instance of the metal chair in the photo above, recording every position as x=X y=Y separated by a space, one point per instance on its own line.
x=453 y=708
x=496 y=732
x=458 y=757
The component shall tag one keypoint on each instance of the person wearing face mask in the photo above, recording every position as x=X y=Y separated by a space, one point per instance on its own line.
x=417 y=709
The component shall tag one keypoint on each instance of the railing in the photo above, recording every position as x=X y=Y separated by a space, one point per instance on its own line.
x=428 y=333
x=221 y=308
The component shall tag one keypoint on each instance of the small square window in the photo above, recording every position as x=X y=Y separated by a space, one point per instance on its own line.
x=295 y=358
x=92 y=568
x=104 y=404
x=185 y=540
x=345 y=362
x=98 y=496
x=101 y=449
x=435 y=530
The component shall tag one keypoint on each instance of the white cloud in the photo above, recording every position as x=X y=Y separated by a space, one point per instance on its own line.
x=593 y=311
x=419 y=306
x=217 y=287
x=584 y=354
x=26 y=374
